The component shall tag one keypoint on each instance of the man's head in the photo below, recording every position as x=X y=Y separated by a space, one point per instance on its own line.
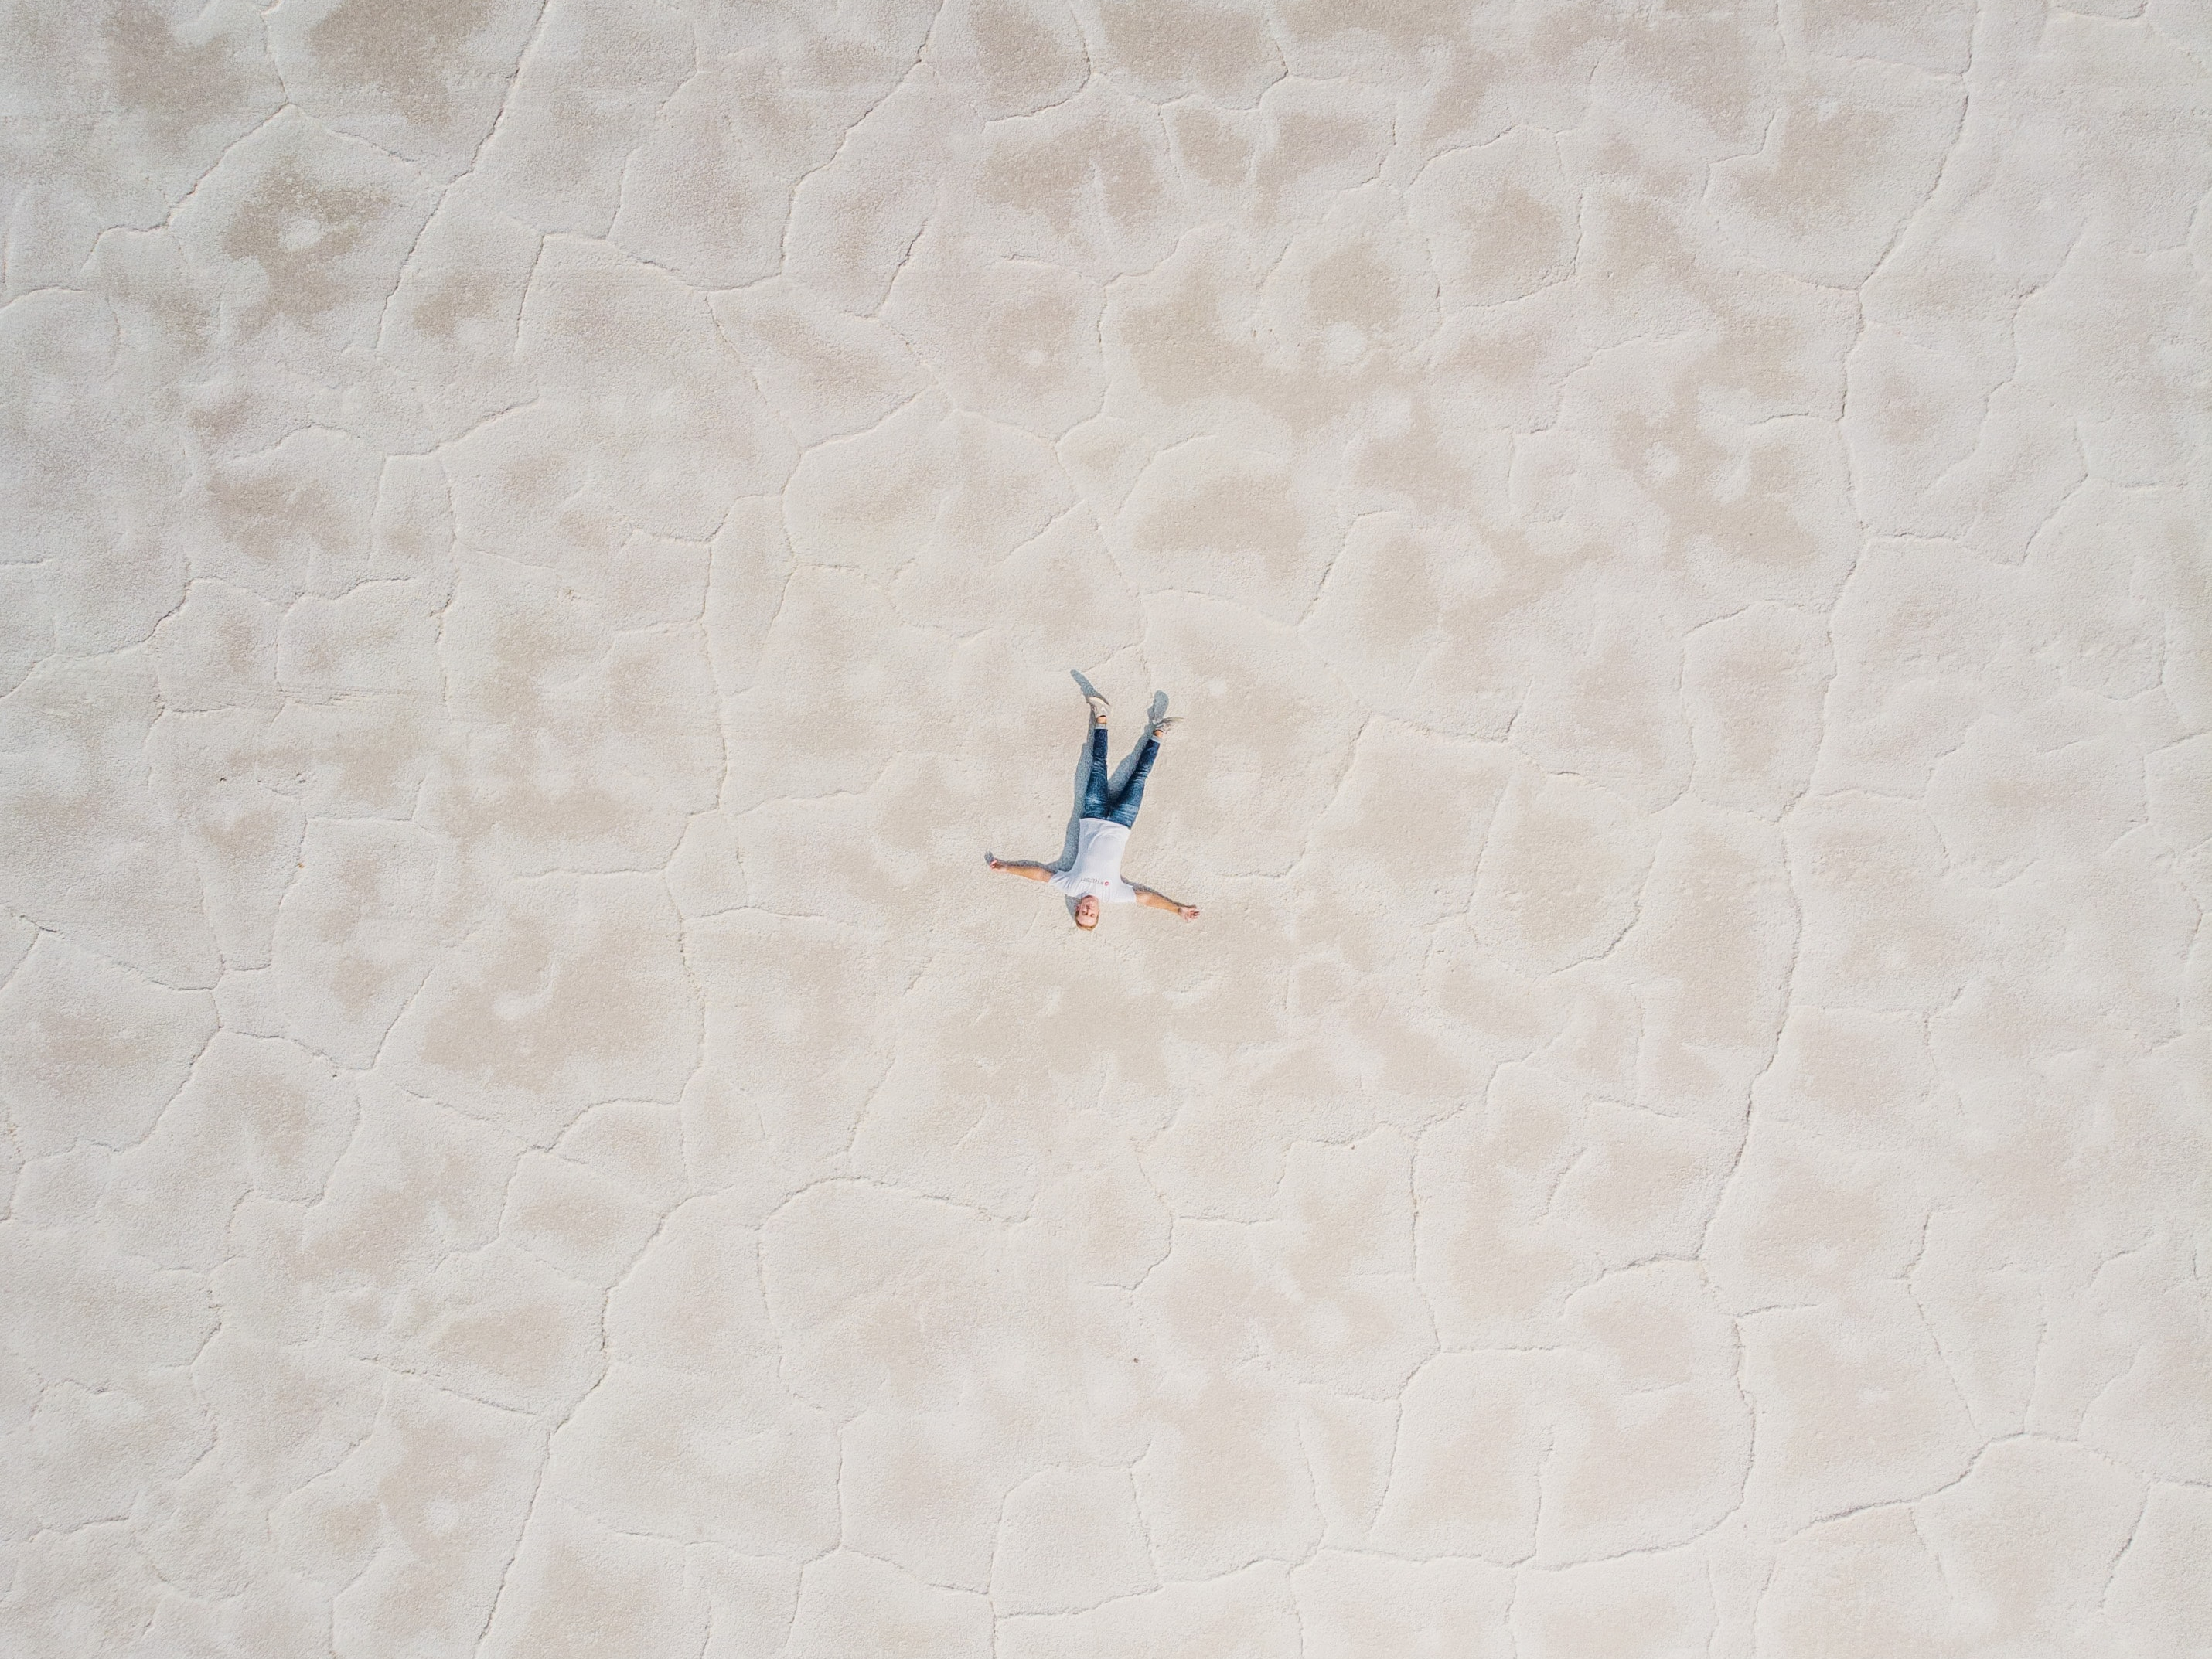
x=1087 y=911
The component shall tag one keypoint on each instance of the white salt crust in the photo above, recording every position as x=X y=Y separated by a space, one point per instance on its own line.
x=544 y=544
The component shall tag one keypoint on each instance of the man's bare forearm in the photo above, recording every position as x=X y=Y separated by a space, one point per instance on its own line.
x=1027 y=870
x=1158 y=901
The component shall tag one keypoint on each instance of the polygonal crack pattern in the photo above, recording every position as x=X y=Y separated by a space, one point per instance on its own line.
x=545 y=536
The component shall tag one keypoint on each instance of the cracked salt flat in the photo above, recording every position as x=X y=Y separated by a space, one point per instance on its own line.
x=543 y=540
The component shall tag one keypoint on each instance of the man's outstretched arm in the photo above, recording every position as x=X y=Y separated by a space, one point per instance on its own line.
x=1025 y=868
x=1145 y=895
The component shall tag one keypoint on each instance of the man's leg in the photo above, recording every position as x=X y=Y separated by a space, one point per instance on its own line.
x=1094 y=783
x=1124 y=810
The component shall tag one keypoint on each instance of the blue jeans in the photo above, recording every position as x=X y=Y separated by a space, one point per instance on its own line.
x=1121 y=809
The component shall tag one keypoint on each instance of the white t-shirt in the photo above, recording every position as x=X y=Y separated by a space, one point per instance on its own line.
x=1097 y=866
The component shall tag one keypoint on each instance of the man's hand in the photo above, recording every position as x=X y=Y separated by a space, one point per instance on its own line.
x=1187 y=912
